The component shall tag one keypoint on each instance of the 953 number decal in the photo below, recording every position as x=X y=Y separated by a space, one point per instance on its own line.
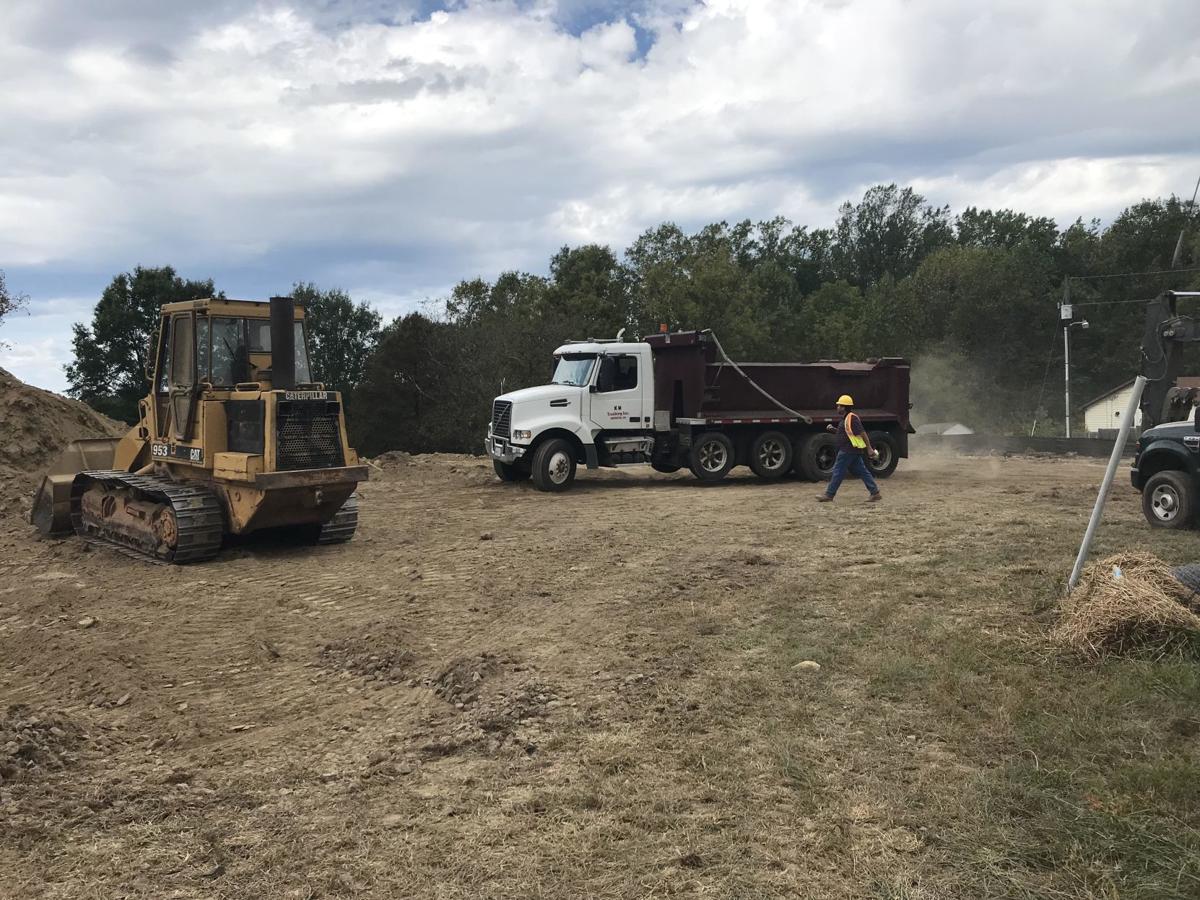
x=177 y=451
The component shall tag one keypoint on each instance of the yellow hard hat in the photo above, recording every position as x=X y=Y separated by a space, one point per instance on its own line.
x=845 y=400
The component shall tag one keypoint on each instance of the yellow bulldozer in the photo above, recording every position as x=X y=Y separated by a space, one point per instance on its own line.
x=233 y=437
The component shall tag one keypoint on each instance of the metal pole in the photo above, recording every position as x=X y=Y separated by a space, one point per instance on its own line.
x=1067 y=375
x=1114 y=460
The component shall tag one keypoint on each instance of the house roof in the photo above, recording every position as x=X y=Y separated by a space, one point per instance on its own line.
x=1183 y=381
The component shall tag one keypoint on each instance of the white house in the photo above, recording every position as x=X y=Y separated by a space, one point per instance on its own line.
x=1104 y=412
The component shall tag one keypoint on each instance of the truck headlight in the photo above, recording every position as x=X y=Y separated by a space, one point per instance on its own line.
x=519 y=435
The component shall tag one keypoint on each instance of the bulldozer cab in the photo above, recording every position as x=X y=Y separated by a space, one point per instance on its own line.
x=209 y=346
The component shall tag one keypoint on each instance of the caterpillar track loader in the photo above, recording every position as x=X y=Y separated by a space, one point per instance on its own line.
x=233 y=437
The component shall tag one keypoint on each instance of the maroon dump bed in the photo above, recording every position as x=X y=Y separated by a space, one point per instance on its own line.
x=694 y=384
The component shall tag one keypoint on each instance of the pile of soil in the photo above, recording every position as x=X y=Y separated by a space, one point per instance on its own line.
x=35 y=425
x=459 y=683
x=31 y=743
x=397 y=465
x=377 y=655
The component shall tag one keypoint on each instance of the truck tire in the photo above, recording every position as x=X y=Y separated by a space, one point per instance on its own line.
x=771 y=455
x=1169 y=500
x=666 y=468
x=711 y=456
x=815 y=457
x=511 y=472
x=889 y=457
x=554 y=465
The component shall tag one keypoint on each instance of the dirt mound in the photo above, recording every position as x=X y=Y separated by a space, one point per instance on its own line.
x=459 y=683
x=31 y=744
x=377 y=655
x=1130 y=604
x=396 y=465
x=35 y=425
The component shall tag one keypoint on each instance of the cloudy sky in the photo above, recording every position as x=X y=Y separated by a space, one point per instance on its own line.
x=393 y=148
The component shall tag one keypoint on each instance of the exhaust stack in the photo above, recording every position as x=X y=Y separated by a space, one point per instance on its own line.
x=283 y=343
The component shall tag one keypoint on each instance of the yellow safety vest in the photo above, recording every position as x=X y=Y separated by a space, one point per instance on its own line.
x=858 y=443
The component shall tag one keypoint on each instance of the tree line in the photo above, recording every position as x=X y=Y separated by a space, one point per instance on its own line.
x=970 y=297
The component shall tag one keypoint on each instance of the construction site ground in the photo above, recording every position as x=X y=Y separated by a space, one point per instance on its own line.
x=644 y=687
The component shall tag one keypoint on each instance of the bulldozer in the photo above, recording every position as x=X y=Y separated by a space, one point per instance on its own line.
x=233 y=437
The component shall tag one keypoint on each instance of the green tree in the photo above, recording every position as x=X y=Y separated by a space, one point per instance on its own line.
x=975 y=227
x=10 y=301
x=424 y=391
x=697 y=282
x=341 y=334
x=888 y=232
x=833 y=323
x=109 y=370
x=971 y=299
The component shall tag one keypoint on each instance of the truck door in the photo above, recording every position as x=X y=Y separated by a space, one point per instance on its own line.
x=161 y=377
x=183 y=374
x=616 y=394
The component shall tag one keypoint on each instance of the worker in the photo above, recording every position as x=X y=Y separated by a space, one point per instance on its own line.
x=852 y=442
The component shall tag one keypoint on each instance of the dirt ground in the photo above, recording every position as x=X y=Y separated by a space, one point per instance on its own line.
x=642 y=688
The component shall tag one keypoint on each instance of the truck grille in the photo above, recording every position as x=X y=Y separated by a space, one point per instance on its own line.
x=308 y=435
x=501 y=418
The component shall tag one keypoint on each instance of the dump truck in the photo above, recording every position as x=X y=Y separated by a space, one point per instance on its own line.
x=233 y=437
x=675 y=400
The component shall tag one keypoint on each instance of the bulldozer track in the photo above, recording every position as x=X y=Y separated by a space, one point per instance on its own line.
x=198 y=517
x=341 y=527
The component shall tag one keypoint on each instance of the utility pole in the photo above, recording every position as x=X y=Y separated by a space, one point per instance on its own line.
x=1067 y=369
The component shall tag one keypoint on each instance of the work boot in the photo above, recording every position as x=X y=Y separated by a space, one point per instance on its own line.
x=824 y=498
x=875 y=497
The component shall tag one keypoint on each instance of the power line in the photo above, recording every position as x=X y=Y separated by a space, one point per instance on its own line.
x=1106 y=302
x=1134 y=274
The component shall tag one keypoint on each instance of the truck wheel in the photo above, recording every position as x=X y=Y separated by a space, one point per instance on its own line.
x=511 y=472
x=711 y=456
x=1169 y=500
x=888 y=457
x=665 y=467
x=771 y=455
x=816 y=456
x=554 y=465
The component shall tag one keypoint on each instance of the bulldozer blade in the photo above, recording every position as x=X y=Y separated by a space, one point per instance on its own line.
x=51 y=513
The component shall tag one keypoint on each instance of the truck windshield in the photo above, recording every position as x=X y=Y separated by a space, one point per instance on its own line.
x=573 y=369
x=232 y=342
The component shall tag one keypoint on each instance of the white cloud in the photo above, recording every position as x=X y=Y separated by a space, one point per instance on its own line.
x=482 y=137
x=37 y=361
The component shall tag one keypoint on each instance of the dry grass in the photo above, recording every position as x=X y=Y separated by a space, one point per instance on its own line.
x=640 y=727
x=1143 y=611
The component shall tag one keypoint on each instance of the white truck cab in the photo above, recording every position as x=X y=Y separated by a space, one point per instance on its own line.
x=598 y=405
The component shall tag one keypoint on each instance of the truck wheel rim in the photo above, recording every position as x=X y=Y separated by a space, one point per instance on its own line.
x=560 y=467
x=713 y=456
x=885 y=458
x=771 y=454
x=1165 y=503
x=826 y=457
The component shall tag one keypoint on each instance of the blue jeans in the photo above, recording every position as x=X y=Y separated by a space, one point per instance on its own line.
x=855 y=464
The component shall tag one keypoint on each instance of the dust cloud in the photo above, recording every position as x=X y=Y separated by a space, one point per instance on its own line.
x=948 y=387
